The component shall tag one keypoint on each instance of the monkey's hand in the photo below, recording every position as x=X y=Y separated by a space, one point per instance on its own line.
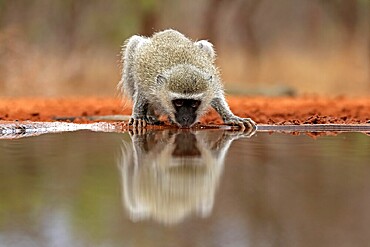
x=137 y=122
x=245 y=124
x=143 y=122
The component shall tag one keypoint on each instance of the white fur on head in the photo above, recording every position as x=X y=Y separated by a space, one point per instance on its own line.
x=207 y=47
x=198 y=96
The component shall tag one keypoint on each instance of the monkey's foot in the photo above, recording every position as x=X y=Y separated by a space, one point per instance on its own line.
x=245 y=124
x=153 y=120
x=137 y=122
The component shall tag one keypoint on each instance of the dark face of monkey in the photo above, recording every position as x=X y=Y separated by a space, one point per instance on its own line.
x=186 y=145
x=186 y=111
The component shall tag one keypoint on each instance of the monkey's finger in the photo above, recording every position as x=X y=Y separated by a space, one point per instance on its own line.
x=131 y=132
x=250 y=123
x=139 y=123
x=251 y=127
x=250 y=132
x=241 y=126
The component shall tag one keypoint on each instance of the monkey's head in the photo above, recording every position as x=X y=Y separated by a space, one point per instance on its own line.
x=185 y=93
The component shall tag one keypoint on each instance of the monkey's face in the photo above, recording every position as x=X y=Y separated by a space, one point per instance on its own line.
x=184 y=92
x=186 y=111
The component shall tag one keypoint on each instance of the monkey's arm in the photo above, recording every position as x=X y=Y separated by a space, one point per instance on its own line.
x=221 y=106
x=143 y=113
x=127 y=83
x=139 y=110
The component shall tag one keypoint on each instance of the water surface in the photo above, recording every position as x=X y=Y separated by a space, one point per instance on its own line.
x=182 y=188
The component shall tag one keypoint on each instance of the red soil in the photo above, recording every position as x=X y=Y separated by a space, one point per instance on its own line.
x=263 y=110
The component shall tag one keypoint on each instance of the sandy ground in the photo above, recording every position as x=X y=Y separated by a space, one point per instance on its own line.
x=264 y=110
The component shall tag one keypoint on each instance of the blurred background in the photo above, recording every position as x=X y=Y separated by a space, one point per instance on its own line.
x=271 y=47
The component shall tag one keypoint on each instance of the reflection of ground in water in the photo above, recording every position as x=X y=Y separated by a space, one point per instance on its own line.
x=267 y=190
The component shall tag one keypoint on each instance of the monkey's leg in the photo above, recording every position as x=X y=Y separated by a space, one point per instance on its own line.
x=220 y=105
x=140 y=108
x=127 y=83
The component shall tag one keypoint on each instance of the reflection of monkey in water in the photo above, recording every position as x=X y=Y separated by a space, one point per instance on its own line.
x=169 y=174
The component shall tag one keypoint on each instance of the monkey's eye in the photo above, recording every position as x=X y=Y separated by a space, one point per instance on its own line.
x=195 y=103
x=178 y=102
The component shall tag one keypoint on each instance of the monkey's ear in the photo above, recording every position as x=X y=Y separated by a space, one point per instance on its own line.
x=161 y=79
x=207 y=77
x=207 y=47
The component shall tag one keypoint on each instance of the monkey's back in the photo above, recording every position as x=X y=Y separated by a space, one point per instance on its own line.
x=165 y=50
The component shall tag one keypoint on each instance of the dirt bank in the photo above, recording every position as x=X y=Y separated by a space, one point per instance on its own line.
x=282 y=110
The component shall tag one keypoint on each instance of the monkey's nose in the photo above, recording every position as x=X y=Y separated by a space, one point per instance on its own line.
x=185 y=122
x=185 y=119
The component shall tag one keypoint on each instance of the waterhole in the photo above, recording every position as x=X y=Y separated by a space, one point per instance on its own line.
x=185 y=188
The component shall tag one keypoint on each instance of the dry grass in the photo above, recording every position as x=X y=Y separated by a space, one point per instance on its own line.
x=333 y=72
x=27 y=70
